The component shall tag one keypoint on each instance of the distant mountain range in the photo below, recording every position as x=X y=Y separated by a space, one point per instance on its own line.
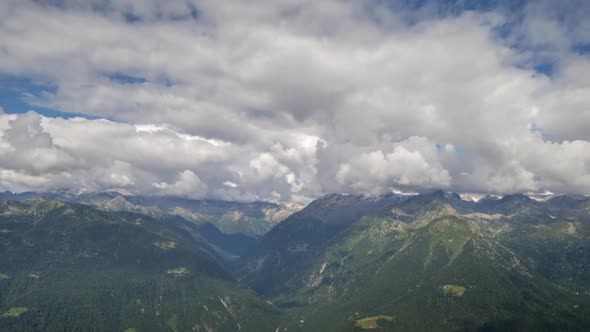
x=428 y=262
x=251 y=219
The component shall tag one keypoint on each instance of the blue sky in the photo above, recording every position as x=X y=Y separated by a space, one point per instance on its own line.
x=16 y=97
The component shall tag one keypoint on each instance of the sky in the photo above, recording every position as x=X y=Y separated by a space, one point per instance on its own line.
x=292 y=99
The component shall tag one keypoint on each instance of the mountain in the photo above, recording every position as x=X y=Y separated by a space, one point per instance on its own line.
x=280 y=252
x=227 y=247
x=66 y=267
x=433 y=262
x=251 y=219
x=427 y=262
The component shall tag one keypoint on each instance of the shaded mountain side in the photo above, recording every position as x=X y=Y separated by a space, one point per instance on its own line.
x=228 y=246
x=278 y=254
x=340 y=209
x=72 y=267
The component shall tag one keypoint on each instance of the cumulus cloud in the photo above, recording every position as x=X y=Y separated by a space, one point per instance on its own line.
x=410 y=164
x=41 y=153
x=287 y=100
x=187 y=184
x=27 y=147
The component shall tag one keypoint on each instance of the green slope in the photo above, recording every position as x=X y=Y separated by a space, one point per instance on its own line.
x=427 y=267
x=293 y=244
x=345 y=263
x=72 y=267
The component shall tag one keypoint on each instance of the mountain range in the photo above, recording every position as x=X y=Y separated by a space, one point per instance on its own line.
x=252 y=219
x=432 y=262
x=427 y=262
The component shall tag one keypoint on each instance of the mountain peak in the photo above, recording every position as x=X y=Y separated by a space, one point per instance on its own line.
x=439 y=193
x=516 y=197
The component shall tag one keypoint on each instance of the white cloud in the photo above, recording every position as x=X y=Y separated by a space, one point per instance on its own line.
x=410 y=164
x=187 y=184
x=287 y=100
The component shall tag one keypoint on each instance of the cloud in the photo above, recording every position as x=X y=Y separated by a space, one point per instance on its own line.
x=410 y=164
x=27 y=147
x=40 y=153
x=287 y=100
x=25 y=132
x=187 y=184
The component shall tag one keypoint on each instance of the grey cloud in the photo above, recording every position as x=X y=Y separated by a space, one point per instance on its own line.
x=26 y=132
x=187 y=184
x=27 y=147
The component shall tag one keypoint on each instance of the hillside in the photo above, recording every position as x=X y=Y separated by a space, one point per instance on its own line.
x=429 y=262
x=71 y=267
x=280 y=253
x=423 y=265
